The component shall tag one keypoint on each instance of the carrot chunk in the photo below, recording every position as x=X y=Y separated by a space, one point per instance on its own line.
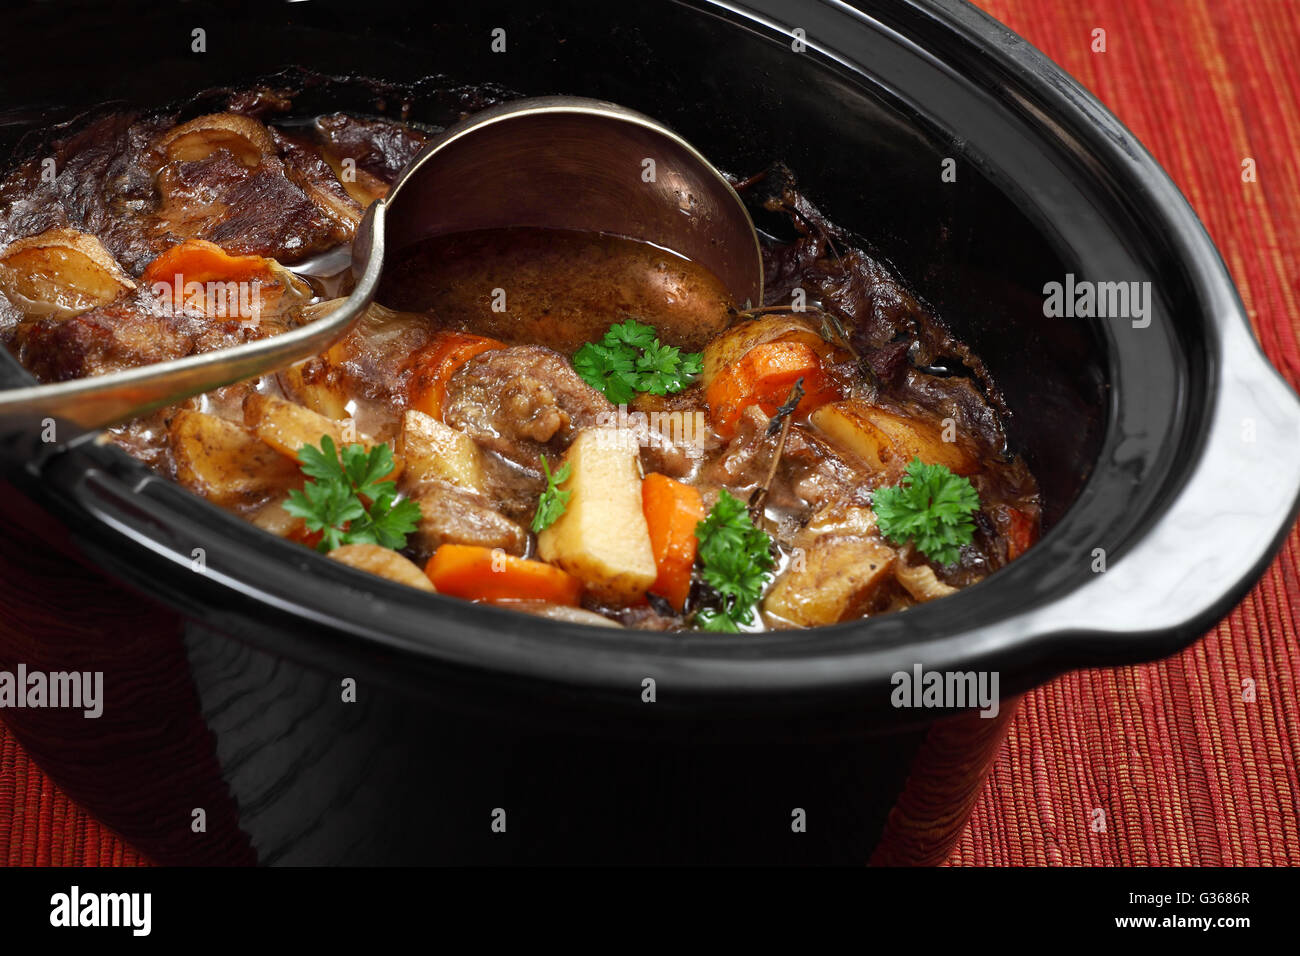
x=764 y=377
x=476 y=573
x=197 y=260
x=175 y=273
x=1020 y=531
x=434 y=365
x=672 y=510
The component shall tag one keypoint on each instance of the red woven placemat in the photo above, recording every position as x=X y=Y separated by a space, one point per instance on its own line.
x=1183 y=768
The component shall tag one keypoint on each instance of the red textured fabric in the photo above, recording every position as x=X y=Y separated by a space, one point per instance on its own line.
x=39 y=826
x=1182 y=768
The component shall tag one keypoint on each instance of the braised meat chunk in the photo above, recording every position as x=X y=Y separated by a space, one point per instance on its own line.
x=521 y=401
x=452 y=515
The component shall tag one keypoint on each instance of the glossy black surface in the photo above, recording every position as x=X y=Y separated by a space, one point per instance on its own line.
x=1114 y=419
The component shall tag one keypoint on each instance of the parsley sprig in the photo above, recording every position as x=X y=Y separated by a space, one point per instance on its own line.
x=630 y=359
x=932 y=508
x=334 y=502
x=735 y=558
x=553 y=501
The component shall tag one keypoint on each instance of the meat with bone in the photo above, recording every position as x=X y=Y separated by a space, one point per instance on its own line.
x=143 y=184
x=269 y=208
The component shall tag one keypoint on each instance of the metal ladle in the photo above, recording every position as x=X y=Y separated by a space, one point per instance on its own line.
x=555 y=162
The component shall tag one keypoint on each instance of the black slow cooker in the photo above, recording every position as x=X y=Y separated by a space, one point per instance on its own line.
x=1167 y=449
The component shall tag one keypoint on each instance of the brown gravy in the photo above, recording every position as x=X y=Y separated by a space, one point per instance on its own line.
x=555 y=287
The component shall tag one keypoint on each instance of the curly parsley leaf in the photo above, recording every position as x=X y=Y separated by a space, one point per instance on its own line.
x=932 y=508
x=553 y=501
x=630 y=359
x=735 y=559
x=632 y=334
x=608 y=369
x=334 y=502
x=711 y=619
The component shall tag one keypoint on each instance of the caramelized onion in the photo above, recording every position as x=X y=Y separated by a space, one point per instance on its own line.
x=60 y=273
x=244 y=138
x=920 y=582
x=558 y=612
x=363 y=187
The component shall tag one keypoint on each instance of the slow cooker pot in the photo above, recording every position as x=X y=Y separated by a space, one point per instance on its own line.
x=1166 y=447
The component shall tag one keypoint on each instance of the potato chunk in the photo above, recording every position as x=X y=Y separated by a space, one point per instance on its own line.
x=887 y=442
x=313 y=383
x=273 y=518
x=432 y=450
x=225 y=463
x=384 y=562
x=287 y=426
x=838 y=576
x=602 y=537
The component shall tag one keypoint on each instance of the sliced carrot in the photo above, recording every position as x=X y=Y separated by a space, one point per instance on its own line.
x=300 y=534
x=200 y=261
x=764 y=377
x=672 y=510
x=434 y=365
x=197 y=260
x=1021 y=533
x=476 y=573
